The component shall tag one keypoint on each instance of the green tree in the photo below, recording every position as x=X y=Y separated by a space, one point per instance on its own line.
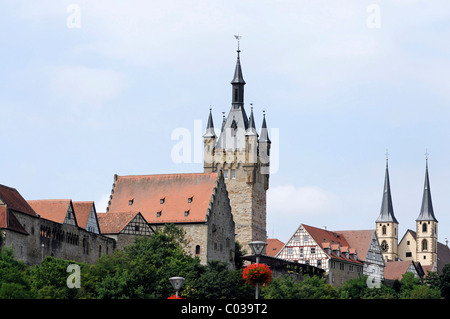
x=444 y=282
x=143 y=269
x=216 y=281
x=49 y=279
x=14 y=282
x=287 y=287
x=424 y=292
x=408 y=282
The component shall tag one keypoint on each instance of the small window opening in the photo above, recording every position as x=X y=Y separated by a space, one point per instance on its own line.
x=190 y=199
x=186 y=213
x=158 y=214
x=162 y=200
x=130 y=202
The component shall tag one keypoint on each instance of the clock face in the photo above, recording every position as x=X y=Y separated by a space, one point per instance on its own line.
x=384 y=246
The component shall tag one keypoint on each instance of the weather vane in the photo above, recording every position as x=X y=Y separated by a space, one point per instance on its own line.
x=426 y=154
x=387 y=154
x=238 y=38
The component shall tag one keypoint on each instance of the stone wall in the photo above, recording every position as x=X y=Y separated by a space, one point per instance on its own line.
x=47 y=238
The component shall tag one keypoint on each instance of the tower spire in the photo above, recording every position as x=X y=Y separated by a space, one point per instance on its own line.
x=210 y=126
x=387 y=209
x=264 y=132
x=426 y=211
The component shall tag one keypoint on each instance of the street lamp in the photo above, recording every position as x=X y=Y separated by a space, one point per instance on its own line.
x=257 y=249
x=177 y=282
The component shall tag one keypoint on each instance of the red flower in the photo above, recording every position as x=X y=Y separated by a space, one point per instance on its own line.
x=175 y=297
x=257 y=274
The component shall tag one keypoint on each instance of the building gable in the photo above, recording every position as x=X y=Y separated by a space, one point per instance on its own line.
x=57 y=210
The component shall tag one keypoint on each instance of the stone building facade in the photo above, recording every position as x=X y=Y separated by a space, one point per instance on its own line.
x=33 y=237
x=198 y=203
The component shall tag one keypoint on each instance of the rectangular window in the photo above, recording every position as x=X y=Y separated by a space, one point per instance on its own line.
x=408 y=254
x=313 y=250
x=305 y=239
x=289 y=251
x=233 y=174
x=225 y=173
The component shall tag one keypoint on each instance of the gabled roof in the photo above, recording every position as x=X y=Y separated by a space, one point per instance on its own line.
x=83 y=211
x=9 y=221
x=13 y=200
x=336 y=241
x=52 y=209
x=395 y=269
x=114 y=223
x=165 y=198
x=359 y=240
x=274 y=245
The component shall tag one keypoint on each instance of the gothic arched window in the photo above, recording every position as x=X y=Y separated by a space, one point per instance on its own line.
x=384 y=230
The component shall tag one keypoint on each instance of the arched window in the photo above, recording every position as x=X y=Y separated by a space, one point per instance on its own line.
x=424 y=245
x=384 y=230
x=197 y=250
x=424 y=228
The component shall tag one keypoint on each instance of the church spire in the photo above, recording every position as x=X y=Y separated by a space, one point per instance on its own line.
x=426 y=211
x=238 y=82
x=387 y=209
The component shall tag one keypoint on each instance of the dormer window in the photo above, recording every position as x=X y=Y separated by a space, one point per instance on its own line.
x=162 y=200
x=158 y=214
x=186 y=213
x=190 y=199
x=130 y=202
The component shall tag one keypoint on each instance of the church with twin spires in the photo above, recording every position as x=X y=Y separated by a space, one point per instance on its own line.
x=420 y=245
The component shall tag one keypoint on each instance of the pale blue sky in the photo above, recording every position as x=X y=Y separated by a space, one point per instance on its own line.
x=78 y=105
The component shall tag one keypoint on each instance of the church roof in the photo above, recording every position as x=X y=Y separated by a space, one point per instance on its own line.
x=165 y=198
x=426 y=211
x=387 y=210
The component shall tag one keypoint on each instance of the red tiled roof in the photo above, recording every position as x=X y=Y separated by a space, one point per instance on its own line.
x=12 y=199
x=82 y=212
x=9 y=221
x=274 y=245
x=395 y=269
x=114 y=223
x=337 y=241
x=359 y=239
x=51 y=209
x=145 y=192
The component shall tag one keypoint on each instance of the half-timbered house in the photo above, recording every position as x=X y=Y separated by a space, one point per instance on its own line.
x=323 y=249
